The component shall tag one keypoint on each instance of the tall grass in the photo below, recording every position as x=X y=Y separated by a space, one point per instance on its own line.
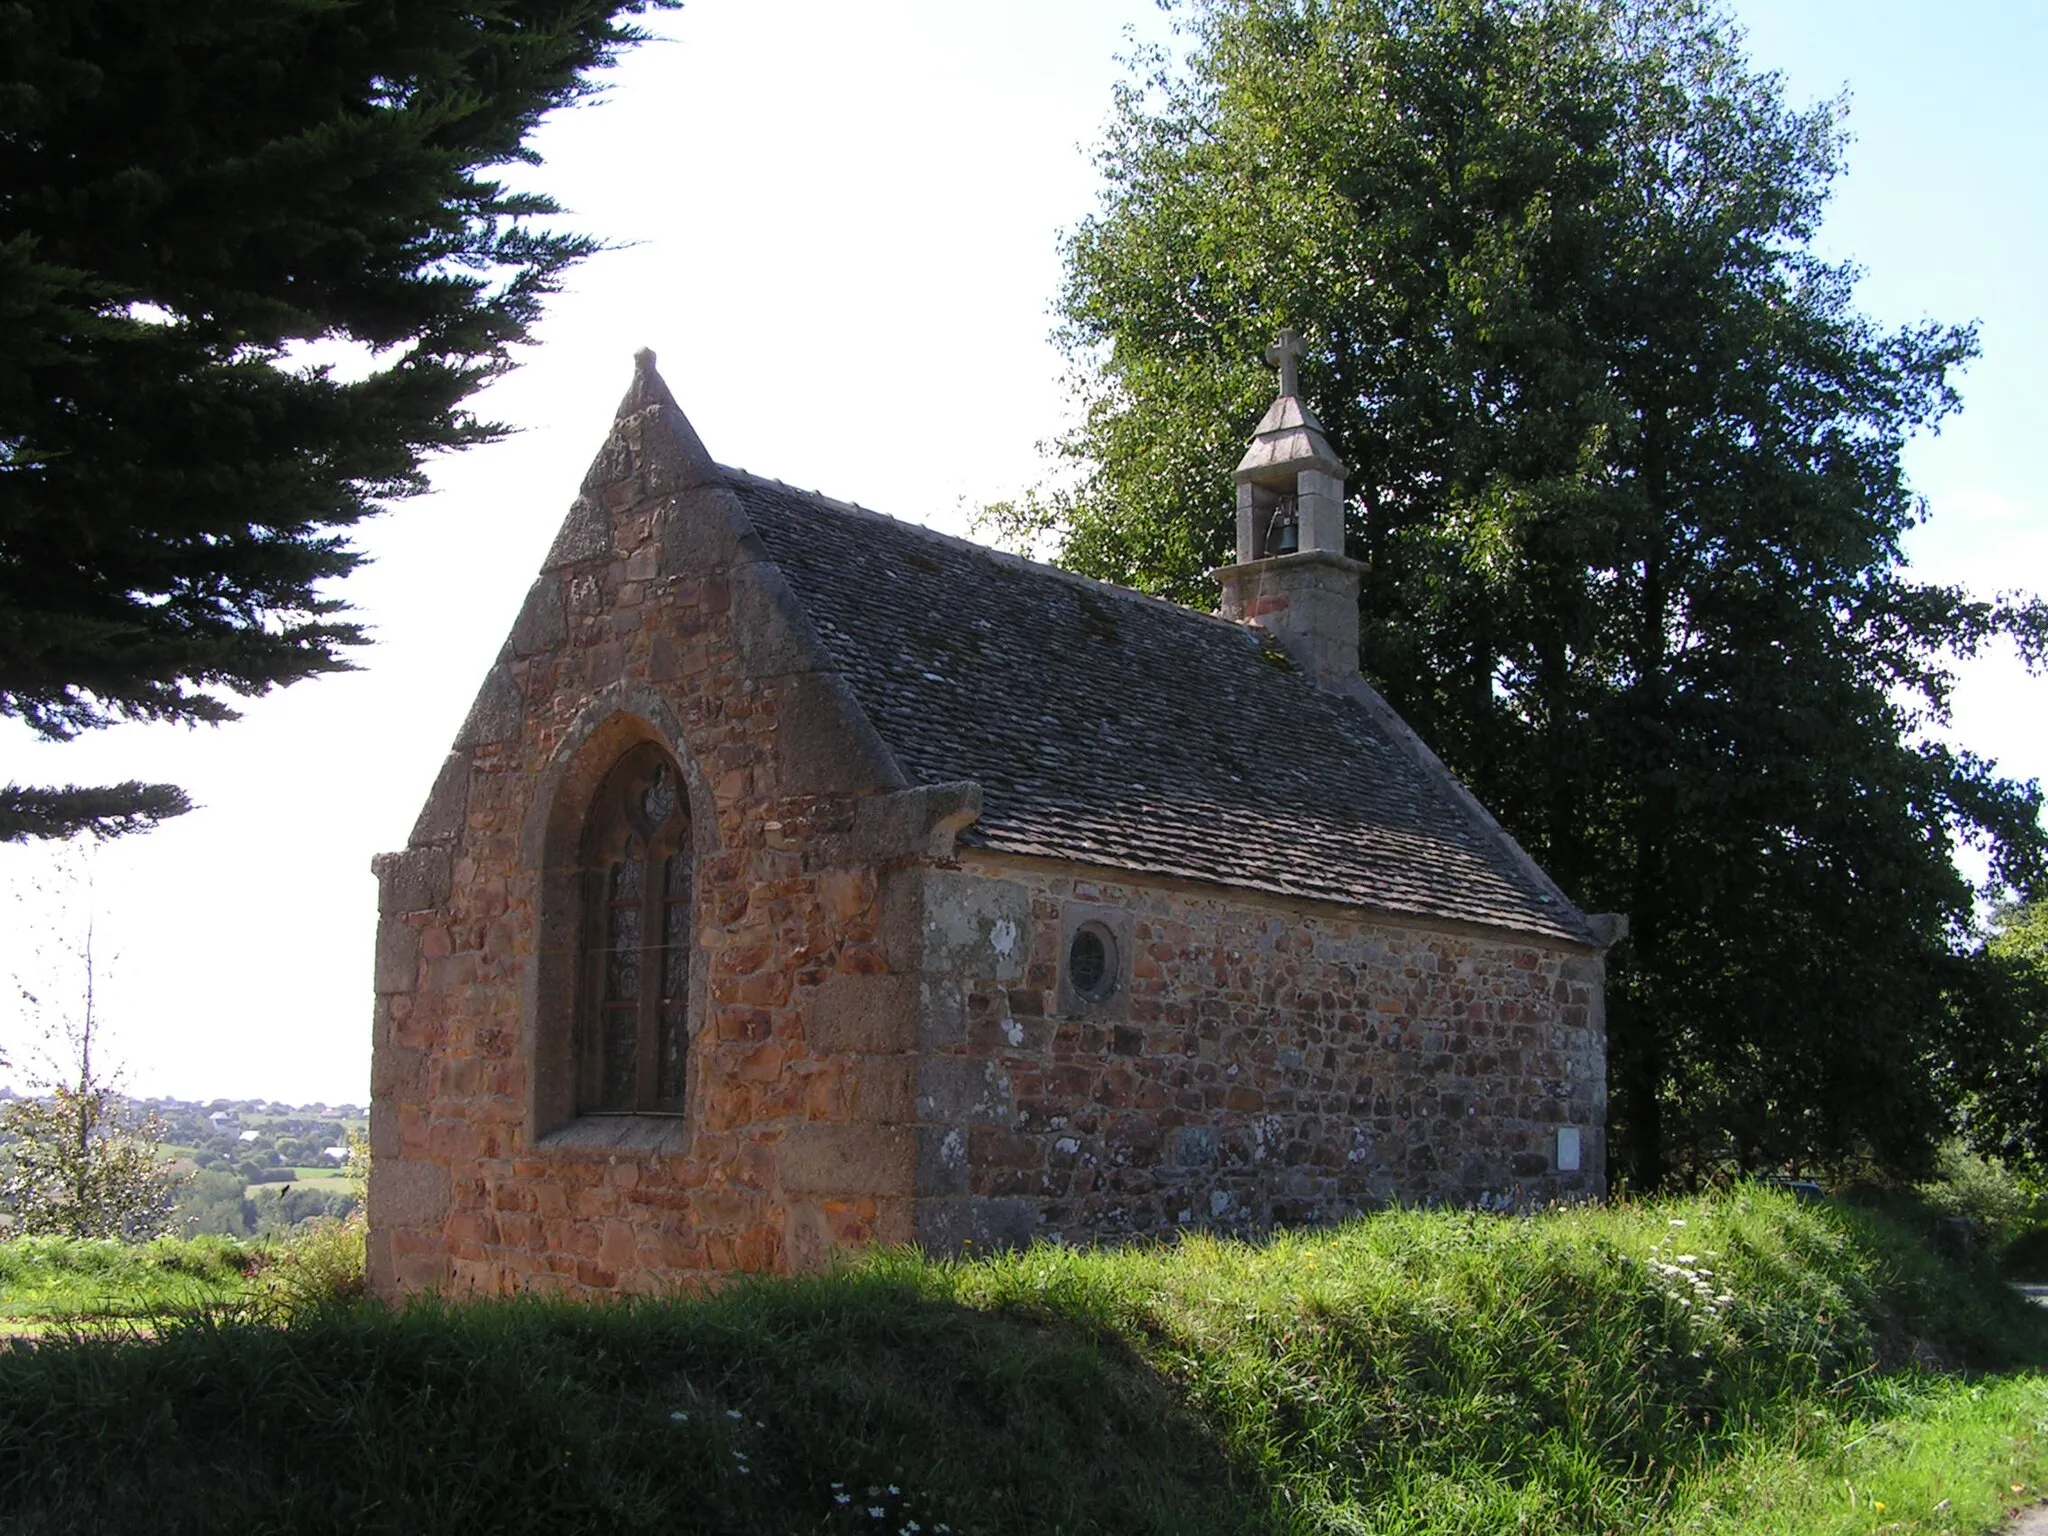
x=66 y=1280
x=1450 y=1373
x=1661 y=1366
x=65 y=1284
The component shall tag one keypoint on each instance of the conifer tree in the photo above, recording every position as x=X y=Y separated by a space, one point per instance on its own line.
x=1627 y=480
x=190 y=190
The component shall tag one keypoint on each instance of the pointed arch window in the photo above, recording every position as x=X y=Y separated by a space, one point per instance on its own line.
x=632 y=1047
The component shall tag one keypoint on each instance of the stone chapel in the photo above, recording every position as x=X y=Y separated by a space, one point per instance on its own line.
x=803 y=879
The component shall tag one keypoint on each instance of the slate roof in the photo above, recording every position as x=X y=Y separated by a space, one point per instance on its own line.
x=1115 y=729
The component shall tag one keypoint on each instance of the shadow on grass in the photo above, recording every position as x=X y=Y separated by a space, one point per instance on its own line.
x=1419 y=1372
x=860 y=1402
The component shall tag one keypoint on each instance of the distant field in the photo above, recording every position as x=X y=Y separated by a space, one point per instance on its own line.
x=327 y=1180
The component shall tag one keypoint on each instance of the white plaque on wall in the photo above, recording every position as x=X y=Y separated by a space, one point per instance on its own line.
x=1567 y=1149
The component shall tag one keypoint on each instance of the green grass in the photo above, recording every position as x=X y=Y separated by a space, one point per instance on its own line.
x=59 y=1282
x=1736 y=1365
x=1949 y=1457
x=325 y=1176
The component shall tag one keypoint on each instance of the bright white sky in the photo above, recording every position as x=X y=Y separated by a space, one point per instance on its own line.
x=838 y=227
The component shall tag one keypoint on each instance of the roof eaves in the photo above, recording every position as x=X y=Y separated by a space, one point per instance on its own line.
x=1368 y=698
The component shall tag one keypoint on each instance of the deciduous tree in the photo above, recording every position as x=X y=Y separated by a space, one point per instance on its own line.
x=76 y=1158
x=79 y=1161
x=1627 y=480
x=2000 y=1062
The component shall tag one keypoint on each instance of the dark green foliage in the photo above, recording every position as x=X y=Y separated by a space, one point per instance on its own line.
x=2001 y=1064
x=188 y=190
x=739 y=1414
x=106 y=811
x=215 y=1202
x=1626 y=476
x=2026 y=1257
x=279 y=1209
x=1412 y=1373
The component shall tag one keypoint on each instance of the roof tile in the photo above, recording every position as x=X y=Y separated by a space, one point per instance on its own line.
x=1115 y=729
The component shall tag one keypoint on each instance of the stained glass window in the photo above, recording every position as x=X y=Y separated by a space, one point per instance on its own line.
x=633 y=1047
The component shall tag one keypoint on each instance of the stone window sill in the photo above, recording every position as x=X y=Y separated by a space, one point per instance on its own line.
x=660 y=1135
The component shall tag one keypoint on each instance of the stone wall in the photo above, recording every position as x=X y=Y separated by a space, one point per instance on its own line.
x=1260 y=1063
x=885 y=1047
x=654 y=618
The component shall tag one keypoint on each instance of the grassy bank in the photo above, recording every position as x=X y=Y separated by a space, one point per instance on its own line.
x=61 y=1282
x=63 y=1285
x=1737 y=1365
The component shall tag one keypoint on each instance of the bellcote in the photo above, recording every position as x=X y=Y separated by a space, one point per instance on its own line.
x=1290 y=484
x=1292 y=577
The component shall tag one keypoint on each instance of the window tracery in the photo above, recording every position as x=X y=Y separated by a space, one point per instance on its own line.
x=633 y=1017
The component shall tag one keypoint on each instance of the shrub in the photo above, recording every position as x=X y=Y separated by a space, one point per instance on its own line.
x=2002 y=1201
x=321 y=1265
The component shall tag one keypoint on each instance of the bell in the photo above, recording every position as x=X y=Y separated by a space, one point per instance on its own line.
x=1283 y=534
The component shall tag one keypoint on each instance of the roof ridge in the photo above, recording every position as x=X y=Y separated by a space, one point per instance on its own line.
x=1152 y=779
x=989 y=551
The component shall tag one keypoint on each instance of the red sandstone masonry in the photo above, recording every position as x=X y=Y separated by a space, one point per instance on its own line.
x=883 y=1046
x=780 y=1157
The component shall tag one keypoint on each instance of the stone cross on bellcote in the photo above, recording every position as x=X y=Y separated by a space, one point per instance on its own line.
x=1292 y=577
x=1286 y=354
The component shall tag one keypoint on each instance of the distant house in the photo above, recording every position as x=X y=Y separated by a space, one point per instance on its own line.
x=335 y=1154
x=221 y=1117
x=250 y=1135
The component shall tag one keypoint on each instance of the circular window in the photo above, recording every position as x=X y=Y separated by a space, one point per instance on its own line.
x=1091 y=962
